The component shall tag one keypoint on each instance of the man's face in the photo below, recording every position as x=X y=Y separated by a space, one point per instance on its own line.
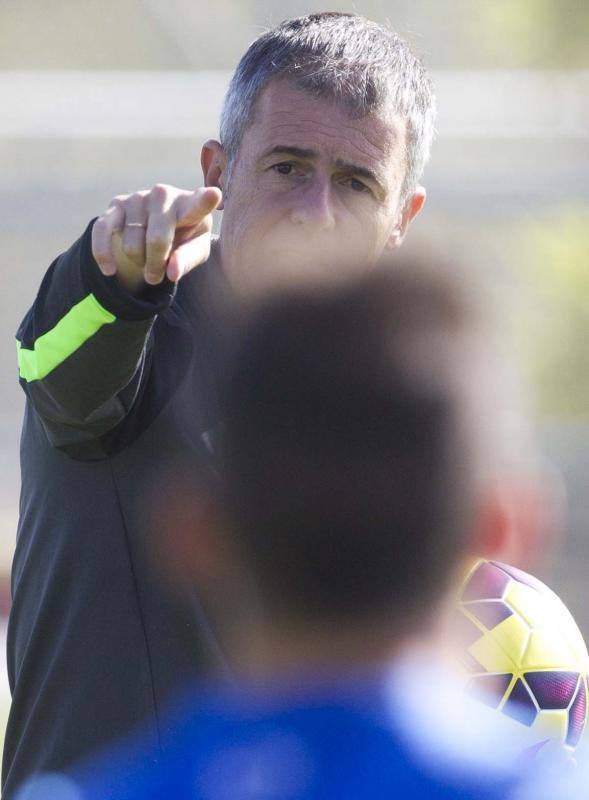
x=311 y=188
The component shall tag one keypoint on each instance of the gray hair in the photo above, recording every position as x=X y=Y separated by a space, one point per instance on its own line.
x=341 y=57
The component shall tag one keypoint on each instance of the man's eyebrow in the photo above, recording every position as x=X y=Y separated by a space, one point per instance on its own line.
x=363 y=172
x=285 y=149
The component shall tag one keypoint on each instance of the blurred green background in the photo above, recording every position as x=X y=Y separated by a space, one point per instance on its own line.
x=101 y=98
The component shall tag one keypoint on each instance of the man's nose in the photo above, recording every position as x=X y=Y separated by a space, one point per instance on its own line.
x=313 y=207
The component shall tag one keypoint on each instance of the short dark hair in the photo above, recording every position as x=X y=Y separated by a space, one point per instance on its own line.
x=349 y=468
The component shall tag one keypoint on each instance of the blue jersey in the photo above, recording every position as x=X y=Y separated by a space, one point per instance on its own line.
x=369 y=736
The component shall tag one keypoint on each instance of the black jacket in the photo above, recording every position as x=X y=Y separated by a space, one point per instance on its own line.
x=117 y=388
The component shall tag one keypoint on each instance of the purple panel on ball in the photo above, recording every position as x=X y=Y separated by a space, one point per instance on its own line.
x=490 y=612
x=552 y=689
x=523 y=577
x=490 y=688
x=577 y=716
x=520 y=705
x=486 y=582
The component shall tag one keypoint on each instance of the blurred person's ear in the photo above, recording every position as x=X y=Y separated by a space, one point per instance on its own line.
x=520 y=520
x=411 y=209
x=214 y=163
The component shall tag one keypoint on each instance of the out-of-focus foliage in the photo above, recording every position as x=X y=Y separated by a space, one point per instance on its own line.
x=534 y=268
x=184 y=34
x=536 y=34
x=550 y=258
x=496 y=34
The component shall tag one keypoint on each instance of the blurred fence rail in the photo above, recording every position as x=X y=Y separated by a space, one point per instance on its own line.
x=176 y=104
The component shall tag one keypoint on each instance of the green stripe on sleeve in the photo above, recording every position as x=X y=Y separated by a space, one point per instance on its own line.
x=80 y=323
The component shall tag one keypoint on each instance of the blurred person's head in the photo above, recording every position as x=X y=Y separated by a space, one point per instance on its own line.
x=326 y=128
x=366 y=425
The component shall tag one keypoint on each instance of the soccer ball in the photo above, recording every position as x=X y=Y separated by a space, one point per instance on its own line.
x=522 y=653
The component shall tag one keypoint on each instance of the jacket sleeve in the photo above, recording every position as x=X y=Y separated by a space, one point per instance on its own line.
x=84 y=346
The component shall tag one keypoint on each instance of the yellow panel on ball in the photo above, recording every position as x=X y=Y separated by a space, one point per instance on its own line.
x=551 y=725
x=547 y=649
x=528 y=603
x=500 y=650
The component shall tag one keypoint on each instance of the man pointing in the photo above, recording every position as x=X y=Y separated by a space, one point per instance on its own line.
x=325 y=130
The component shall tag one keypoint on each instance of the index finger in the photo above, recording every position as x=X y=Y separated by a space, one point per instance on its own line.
x=193 y=207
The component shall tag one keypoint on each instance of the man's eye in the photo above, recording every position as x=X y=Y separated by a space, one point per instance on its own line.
x=357 y=186
x=284 y=168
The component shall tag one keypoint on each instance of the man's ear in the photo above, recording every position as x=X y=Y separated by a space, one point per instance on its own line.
x=214 y=164
x=412 y=207
x=519 y=521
